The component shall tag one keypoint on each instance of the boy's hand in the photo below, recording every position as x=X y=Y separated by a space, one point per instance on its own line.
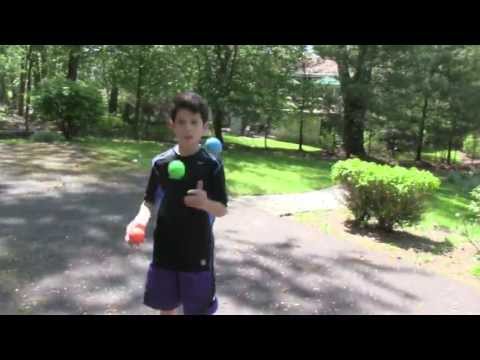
x=129 y=228
x=197 y=198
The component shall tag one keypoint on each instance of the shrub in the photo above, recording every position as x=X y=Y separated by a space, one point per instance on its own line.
x=74 y=105
x=391 y=195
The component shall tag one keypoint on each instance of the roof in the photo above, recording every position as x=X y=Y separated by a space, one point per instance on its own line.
x=316 y=66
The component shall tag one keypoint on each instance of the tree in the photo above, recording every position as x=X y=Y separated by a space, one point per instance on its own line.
x=419 y=91
x=362 y=71
x=355 y=65
x=261 y=89
x=217 y=67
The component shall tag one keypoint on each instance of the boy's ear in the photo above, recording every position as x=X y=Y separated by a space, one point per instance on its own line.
x=170 y=123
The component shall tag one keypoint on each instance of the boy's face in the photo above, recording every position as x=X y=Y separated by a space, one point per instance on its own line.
x=188 y=127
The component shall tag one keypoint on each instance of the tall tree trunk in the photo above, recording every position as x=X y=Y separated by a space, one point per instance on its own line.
x=300 y=131
x=219 y=117
x=267 y=130
x=29 y=86
x=300 y=134
x=449 y=151
x=113 y=100
x=334 y=142
x=421 y=129
x=138 y=101
x=14 y=98
x=354 y=120
x=21 y=88
x=73 y=62
x=3 y=90
x=355 y=101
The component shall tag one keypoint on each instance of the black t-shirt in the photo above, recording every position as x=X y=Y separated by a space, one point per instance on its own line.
x=183 y=237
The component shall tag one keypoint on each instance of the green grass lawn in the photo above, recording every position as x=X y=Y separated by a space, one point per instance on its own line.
x=448 y=209
x=252 y=170
x=123 y=153
x=271 y=144
x=249 y=170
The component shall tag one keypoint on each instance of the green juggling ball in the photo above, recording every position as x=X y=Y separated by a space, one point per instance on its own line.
x=176 y=170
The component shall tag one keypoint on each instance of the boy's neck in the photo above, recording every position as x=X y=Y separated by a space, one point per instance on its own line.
x=187 y=150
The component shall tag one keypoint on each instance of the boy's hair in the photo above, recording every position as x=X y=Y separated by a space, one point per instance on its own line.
x=190 y=101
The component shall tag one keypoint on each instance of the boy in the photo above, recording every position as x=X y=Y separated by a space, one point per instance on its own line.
x=182 y=269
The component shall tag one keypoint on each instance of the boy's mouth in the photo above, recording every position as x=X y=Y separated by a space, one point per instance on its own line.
x=188 y=137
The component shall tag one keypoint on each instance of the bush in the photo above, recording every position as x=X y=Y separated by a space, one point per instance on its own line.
x=46 y=137
x=73 y=105
x=394 y=196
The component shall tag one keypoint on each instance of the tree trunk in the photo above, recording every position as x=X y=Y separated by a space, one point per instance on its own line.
x=66 y=129
x=300 y=134
x=267 y=131
x=421 y=130
x=29 y=87
x=449 y=151
x=355 y=100
x=73 y=62
x=218 y=123
x=21 y=88
x=3 y=90
x=113 y=101
x=14 y=98
x=138 y=101
x=354 y=120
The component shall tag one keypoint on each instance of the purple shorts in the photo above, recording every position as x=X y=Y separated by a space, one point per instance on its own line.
x=167 y=289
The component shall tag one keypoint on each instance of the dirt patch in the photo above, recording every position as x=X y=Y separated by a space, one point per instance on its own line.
x=432 y=250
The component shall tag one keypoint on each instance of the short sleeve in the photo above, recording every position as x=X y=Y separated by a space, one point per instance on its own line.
x=218 y=189
x=152 y=185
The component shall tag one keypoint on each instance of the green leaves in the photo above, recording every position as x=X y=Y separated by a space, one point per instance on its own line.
x=392 y=195
x=73 y=105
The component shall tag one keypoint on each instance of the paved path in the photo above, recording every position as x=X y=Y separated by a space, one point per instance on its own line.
x=282 y=205
x=61 y=252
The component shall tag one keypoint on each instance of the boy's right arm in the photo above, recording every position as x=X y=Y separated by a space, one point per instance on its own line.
x=145 y=211
x=142 y=218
